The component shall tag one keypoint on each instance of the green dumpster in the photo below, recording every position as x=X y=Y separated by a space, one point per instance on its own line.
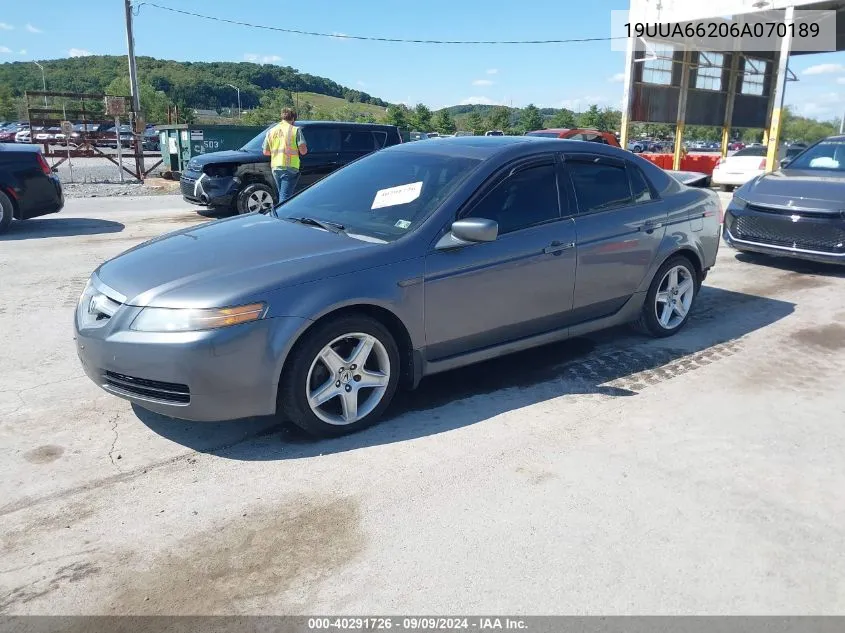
x=181 y=142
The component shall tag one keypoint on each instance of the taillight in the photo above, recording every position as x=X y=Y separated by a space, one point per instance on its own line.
x=720 y=162
x=43 y=163
x=762 y=164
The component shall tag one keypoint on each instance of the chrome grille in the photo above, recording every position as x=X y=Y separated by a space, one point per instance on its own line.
x=171 y=392
x=187 y=186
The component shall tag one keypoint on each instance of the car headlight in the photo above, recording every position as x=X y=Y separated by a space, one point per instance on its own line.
x=738 y=203
x=195 y=319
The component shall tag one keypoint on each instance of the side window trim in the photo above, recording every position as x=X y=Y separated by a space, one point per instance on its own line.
x=630 y=168
x=500 y=176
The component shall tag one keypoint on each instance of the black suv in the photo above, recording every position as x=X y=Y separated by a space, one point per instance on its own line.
x=241 y=180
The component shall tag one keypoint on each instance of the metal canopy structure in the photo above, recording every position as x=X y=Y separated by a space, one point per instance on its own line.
x=696 y=83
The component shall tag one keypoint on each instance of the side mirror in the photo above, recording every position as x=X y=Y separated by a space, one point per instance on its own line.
x=784 y=162
x=469 y=231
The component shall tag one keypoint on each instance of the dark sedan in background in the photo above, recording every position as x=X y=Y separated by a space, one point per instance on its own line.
x=413 y=260
x=28 y=187
x=797 y=211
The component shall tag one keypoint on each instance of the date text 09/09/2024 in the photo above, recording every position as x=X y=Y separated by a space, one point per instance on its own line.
x=417 y=624
x=723 y=29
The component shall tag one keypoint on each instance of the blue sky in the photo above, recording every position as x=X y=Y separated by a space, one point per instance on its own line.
x=570 y=75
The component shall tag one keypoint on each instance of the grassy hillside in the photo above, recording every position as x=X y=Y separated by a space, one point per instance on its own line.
x=327 y=103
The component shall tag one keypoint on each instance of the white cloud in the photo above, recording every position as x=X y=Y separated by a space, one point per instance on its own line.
x=824 y=69
x=360 y=83
x=262 y=59
x=582 y=103
x=492 y=71
x=33 y=29
x=79 y=52
x=6 y=27
x=617 y=78
x=5 y=50
x=482 y=82
x=22 y=51
x=477 y=101
x=820 y=106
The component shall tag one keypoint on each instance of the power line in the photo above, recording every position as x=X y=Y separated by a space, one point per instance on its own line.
x=372 y=39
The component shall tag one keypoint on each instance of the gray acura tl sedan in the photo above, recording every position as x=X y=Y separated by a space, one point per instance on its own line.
x=414 y=260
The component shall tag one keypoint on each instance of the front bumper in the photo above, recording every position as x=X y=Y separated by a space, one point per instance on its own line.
x=198 y=188
x=809 y=238
x=224 y=374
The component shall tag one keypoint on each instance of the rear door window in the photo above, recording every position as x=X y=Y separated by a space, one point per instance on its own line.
x=381 y=138
x=357 y=141
x=322 y=139
x=599 y=185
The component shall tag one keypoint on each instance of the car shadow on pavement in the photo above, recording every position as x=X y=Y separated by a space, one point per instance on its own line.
x=38 y=228
x=614 y=363
x=792 y=264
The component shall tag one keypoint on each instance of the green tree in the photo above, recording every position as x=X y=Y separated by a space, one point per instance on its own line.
x=421 y=118
x=593 y=118
x=475 y=123
x=563 y=118
x=499 y=119
x=530 y=119
x=397 y=115
x=444 y=123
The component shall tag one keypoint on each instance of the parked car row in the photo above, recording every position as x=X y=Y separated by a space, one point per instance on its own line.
x=101 y=135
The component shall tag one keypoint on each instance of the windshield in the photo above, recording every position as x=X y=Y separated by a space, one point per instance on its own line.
x=827 y=156
x=544 y=134
x=256 y=144
x=383 y=195
x=750 y=151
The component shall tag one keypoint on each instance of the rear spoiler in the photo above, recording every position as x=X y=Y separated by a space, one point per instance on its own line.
x=690 y=178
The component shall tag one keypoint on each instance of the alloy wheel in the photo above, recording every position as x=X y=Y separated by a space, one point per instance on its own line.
x=674 y=297
x=259 y=201
x=348 y=378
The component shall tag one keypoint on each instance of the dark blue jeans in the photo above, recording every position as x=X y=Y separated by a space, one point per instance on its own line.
x=285 y=182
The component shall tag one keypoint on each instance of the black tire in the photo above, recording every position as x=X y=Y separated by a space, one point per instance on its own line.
x=727 y=188
x=7 y=210
x=252 y=194
x=293 y=400
x=648 y=321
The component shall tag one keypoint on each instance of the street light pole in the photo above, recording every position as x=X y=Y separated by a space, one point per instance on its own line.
x=43 y=81
x=239 y=98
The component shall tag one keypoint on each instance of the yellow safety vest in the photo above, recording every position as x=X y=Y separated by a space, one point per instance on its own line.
x=284 y=152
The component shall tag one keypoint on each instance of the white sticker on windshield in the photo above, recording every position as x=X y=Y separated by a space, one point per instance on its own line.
x=403 y=224
x=825 y=162
x=403 y=194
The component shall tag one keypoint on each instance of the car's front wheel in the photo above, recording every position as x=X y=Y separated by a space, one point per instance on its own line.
x=341 y=377
x=254 y=197
x=6 y=212
x=670 y=298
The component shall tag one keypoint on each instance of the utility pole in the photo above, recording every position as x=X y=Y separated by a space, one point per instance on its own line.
x=43 y=81
x=842 y=125
x=133 y=84
x=239 y=98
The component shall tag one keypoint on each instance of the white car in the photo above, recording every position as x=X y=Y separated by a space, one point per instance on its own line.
x=24 y=136
x=748 y=163
x=739 y=168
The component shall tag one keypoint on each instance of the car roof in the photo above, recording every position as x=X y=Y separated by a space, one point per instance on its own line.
x=483 y=147
x=346 y=124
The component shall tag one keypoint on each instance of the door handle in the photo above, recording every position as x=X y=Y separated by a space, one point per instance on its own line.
x=555 y=248
x=649 y=227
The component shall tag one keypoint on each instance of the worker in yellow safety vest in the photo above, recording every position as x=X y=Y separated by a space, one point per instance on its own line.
x=284 y=145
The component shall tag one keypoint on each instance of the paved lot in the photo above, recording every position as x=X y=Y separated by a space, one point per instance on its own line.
x=699 y=474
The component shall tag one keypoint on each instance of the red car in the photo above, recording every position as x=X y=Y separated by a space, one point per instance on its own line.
x=736 y=145
x=578 y=134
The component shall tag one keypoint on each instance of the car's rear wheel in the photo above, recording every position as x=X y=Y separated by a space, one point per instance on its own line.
x=727 y=188
x=255 y=197
x=670 y=298
x=6 y=212
x=341 y=377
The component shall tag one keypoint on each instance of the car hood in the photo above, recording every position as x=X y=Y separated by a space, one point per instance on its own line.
x=227 y=156
x=797 y=189
x=220 y=263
